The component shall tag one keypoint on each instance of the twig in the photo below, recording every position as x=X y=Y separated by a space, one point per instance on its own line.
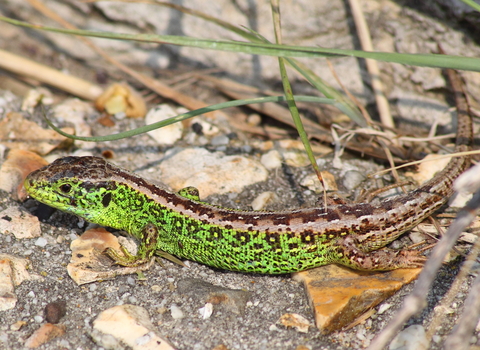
x=459 y=339
x=372 y=67
x=28 y=68
x=417 y=299
x=438 y=314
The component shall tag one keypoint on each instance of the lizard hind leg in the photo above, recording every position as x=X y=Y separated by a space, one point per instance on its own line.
x=350 y=255
x=146 y=249
x=191 y=193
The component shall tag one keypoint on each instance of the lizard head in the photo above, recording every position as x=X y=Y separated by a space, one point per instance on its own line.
x=77 y=185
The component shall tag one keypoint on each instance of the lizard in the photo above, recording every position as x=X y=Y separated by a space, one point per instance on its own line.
x=178 y=224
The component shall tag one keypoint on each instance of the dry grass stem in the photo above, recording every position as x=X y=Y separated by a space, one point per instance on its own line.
x=372 y=66
x=44 y=74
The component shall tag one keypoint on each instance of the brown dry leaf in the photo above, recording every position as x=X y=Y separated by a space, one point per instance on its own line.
x=295 y=320
x=44 y=334
x=17 y=132
x=15 y=169
x=20 y=269
x=128 y=325
x=120 y=97
x=426 y=170
x=220 y=347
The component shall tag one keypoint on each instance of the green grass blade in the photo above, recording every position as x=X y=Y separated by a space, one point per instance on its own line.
x=190 y=114
x=472 y=4
x=287 y=88
x=426 y=60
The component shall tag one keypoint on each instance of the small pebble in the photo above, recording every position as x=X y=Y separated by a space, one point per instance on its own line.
x=353 y=179
x=271 y=160
x=206 y=311
x=197 y=128
x=361 y=333
x=411 y=338
x=41 y=242
x=162 y=310
x=254 y=119
x=176 y=312
x=73 y=236
x=383 y=308
x=201 y=127
x=219 y=140
x=246 y=148
x=38 y=319
x=273 y=328
x=17 y=325
x=436 y=338
x=262 y=200
x=55 y=311
x=156 y=288
x=232 y=135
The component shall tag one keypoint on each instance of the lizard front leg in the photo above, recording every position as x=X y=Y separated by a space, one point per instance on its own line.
x=349 y=254
x=146 y=250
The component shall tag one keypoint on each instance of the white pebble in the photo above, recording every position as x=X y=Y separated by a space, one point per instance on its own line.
x=176 y=312
x=219 y=140
x=262 y=200
x=41 y=242
x=273 y=328
x=168 y=134
x=383 y=308
x=436 y=338
x=411 y=338
x=271 y=160
x=206 y=311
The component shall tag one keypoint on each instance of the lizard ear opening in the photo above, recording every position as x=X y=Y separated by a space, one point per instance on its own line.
x=106 y=199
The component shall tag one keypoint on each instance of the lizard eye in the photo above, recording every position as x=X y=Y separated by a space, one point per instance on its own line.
x=65 y=188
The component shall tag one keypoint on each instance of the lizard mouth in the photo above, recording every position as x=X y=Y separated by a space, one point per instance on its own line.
x=36 y=191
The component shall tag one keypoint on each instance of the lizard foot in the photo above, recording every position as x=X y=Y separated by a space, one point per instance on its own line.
x=146 y=250
x=379 y=260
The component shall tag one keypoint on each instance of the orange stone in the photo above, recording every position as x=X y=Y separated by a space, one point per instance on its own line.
x=338 y=295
